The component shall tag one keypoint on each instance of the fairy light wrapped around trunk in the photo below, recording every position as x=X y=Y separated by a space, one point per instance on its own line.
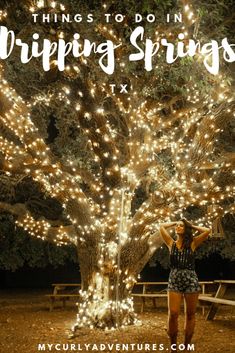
x=119 y=164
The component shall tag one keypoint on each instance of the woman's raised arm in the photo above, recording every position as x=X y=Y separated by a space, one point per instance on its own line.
x=165 y=234
x=204 y=234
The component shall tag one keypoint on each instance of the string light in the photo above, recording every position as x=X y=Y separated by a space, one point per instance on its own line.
x=170 y=149
x=40 y=4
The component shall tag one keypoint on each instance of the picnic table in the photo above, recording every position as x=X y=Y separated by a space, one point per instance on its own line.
x=148 y=291
x=218 y=299
x=63 y=292
x=154 y=290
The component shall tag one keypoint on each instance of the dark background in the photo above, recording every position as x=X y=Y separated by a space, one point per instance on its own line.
x=211 y=268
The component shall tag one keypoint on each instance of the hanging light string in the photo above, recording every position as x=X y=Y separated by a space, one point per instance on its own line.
x=172 y=155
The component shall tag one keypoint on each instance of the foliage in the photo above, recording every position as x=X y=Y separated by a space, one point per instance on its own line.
x=66 y=132
x=109 y=166
x=214 y=15
x=18 y=248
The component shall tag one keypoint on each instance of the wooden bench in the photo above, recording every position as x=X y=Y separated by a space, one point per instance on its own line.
x=62 y=297
x=218 y=298
x=62 y=292
x=146 y=293
x=153 y=296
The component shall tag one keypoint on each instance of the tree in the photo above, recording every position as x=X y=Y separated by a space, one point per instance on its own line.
x=101 y=169
x=19 y=249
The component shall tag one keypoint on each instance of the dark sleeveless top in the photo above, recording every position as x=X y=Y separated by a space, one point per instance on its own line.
x=182 y=259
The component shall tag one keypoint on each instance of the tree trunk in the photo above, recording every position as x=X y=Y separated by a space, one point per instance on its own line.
x=107 y=282
x=105 y=294
x=105 y=303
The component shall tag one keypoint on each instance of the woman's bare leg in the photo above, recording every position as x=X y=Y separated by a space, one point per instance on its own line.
x=174 y=301
x=191 y=300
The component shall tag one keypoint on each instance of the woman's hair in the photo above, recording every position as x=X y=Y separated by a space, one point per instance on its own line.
x=188 y=234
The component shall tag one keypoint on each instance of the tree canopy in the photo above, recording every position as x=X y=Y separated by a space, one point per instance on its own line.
x=86 y=163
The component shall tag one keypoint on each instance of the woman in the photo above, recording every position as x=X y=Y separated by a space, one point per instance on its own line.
x=183 y=281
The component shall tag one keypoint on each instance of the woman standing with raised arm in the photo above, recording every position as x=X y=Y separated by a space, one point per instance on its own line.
x=183 y=281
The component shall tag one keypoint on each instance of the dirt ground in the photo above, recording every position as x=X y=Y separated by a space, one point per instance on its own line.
x=26 y=322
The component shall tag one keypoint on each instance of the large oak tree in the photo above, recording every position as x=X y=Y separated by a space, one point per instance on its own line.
x=100 y=169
